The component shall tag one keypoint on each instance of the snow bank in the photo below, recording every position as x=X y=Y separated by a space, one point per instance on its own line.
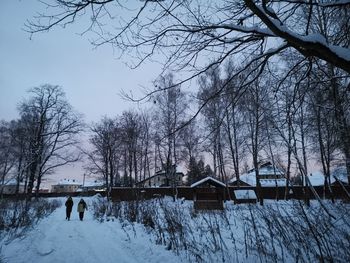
x=167 y=231
x=56 y=240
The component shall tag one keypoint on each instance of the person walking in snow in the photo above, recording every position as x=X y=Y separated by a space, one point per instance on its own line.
x=69 y=205
x=81 y=208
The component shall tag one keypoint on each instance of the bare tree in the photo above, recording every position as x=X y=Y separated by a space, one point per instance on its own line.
x=20 y=144
x=145 y=146
x=323 y=130
x=213 y=112
x=341 y=106
x=255 y=112
x=103 y=159
x=169 y=114
x=130 y=127
x=7 y=156
x=190 y=137
x=51 y=126
x=234 y=118
x=331 y=79
x=282 y=121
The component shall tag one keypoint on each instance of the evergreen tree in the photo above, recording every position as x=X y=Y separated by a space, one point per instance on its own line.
x=198 y=170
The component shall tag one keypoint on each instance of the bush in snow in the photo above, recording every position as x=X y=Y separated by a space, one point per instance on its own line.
x=104 y=210
x=305 y=234
x=99 y=205
x=276 y=232
x=17 y=215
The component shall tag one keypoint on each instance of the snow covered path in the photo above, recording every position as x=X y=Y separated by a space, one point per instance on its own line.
x=56 y=240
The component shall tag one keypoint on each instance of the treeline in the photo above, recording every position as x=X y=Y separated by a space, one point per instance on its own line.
x=289 y=123
x=42 y=139
x=294 y=122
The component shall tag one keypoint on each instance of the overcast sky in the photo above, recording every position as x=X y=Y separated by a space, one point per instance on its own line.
x=92 y=78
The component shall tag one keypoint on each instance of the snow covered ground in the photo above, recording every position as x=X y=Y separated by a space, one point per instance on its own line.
x=167 y=231
x=56 y=240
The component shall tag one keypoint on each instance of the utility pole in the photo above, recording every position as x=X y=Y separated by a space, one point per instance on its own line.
x=83 y=180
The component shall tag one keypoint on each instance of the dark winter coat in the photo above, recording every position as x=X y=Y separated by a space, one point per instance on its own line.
x=69 y=203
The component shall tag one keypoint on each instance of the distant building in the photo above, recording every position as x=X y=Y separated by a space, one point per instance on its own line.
x=92 y=186
x=269 y=175
x=341 y=174
x=66 y=186
x=161 y=179
x=317 y=178
x=10 y=186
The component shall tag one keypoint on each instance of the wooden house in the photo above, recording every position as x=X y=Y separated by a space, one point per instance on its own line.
x=11 y=186
x=269 y=176
x=338 y=177
x=161 y=179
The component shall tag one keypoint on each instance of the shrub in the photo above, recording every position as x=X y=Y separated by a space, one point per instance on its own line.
x=18 y=215
x=275 y=232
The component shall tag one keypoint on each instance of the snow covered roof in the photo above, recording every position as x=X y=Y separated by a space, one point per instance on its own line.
x=264 y=170
x=317 y=178
x=250 y=179
x=163 y=172
x=268 y=169
x=207 y=180
x=245 y=194
x=341 y=173
x=93 y=183
x=68 y=182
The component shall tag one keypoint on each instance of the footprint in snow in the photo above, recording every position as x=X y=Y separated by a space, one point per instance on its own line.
x=45 y=253
x=44 y=248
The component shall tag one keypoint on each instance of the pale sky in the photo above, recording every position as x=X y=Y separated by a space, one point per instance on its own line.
x=92 y=78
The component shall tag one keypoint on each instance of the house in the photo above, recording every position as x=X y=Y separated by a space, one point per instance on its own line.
x=208 y=194
x=269 y=175
x=340 y=173
x=317 y=178
x=65 y=186
x=161 y=179
x=92 y=186
x=10 y=186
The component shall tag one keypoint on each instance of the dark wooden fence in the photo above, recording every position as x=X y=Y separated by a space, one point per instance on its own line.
x=296 y=192
x=130 y=193
x=47 y=195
